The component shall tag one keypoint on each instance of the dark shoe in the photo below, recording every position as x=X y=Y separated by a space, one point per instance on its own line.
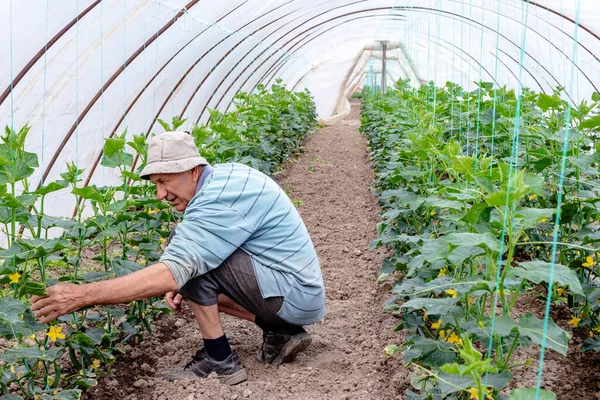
x=229 y=371
x=279 y=348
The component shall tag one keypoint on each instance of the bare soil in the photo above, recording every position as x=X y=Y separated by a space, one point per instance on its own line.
x=330 y=183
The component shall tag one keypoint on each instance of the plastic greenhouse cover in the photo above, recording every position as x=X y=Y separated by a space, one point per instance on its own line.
x=80 y=70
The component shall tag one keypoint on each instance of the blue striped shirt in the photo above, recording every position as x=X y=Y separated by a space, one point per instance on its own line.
x=239 y=207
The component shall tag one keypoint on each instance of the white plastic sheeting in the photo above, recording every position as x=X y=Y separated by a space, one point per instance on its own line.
x=80 y=70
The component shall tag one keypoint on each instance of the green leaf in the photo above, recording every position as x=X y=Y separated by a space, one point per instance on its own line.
x=89 y=193
x=539 y=271
x=434 y=201
x=535 y=183
x=11 y=310
x=32 y=288
x=18 y=353
x=435 y=306
x=464 y=165
x=9 y=174
x=556 y=338
x=474 y=239
x=11 y=397
x=472 y=216
x=118 y=159
x=117 y=206
x=488 y=116
x=28 y=199
x=125 y=267
x=70 y=394
x=430 y=353
x=531 y=394
x=52 y=187
x=530 y=217
x=504 y=325
x=591 y=123
x=11 y=201
x=164 y=124
x=451 y=383
x=485 y=181
x=113 y=145
x=546 y=102
x=591 y=345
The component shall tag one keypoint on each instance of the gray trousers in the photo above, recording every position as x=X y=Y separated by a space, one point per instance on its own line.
x=236 y=279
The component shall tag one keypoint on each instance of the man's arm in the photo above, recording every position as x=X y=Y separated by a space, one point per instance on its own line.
x=64 y=298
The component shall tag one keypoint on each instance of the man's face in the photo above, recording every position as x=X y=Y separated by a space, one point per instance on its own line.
x=177 y=189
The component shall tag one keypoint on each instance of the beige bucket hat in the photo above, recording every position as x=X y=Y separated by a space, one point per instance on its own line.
x=171 y=153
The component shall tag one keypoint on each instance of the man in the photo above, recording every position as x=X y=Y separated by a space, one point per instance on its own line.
x=241 y=249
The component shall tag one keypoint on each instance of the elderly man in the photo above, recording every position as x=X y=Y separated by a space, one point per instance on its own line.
x=241 y=249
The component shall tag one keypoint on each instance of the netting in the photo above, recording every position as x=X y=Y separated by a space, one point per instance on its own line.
x=81 y=72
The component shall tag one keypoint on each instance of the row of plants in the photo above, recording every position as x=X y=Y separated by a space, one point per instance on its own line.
x=470 y=183
x=124 y=234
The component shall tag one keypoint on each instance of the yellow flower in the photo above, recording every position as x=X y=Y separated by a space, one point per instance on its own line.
x=453 y=338
x=55 y=333
x=443 y=272
x=154 y=211
x=14 y=278
x=481 y=325
x=560 y=291
x=443 y=334
x=19 y=374
x=597 y=329
x=96 y=364
x=574 y=322
x=431 y=213
x=532 y=197
x=134 y=247
x=162 y=240
x=543 y=219
x=436 y=325
x=12 y=369
x=474 y=394
x=451 y=292
x=32 y=337
x=589 y=262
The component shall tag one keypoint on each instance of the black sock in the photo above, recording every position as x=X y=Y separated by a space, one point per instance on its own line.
x=217 y=349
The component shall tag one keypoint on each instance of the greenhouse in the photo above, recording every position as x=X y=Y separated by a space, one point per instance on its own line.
x=300 y=199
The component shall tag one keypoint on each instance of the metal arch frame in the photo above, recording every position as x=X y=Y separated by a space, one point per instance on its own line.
x=24 y=71
x=275 y=72
x=113 y=77
x=272 y=66
x=421 y=9
x=223 y=58
x=43 y=50
x=264 y=51
x=280 y=38
x=141 y=92
x=453 y=15
x=469 y=63
x=514 y=44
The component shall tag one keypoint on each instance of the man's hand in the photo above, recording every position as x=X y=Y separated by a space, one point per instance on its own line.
x=174 y=302
x=62 y=298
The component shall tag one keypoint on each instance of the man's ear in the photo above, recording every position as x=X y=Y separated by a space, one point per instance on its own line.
x=196 y=172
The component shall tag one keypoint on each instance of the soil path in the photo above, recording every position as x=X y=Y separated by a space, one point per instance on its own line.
x=330 y=184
